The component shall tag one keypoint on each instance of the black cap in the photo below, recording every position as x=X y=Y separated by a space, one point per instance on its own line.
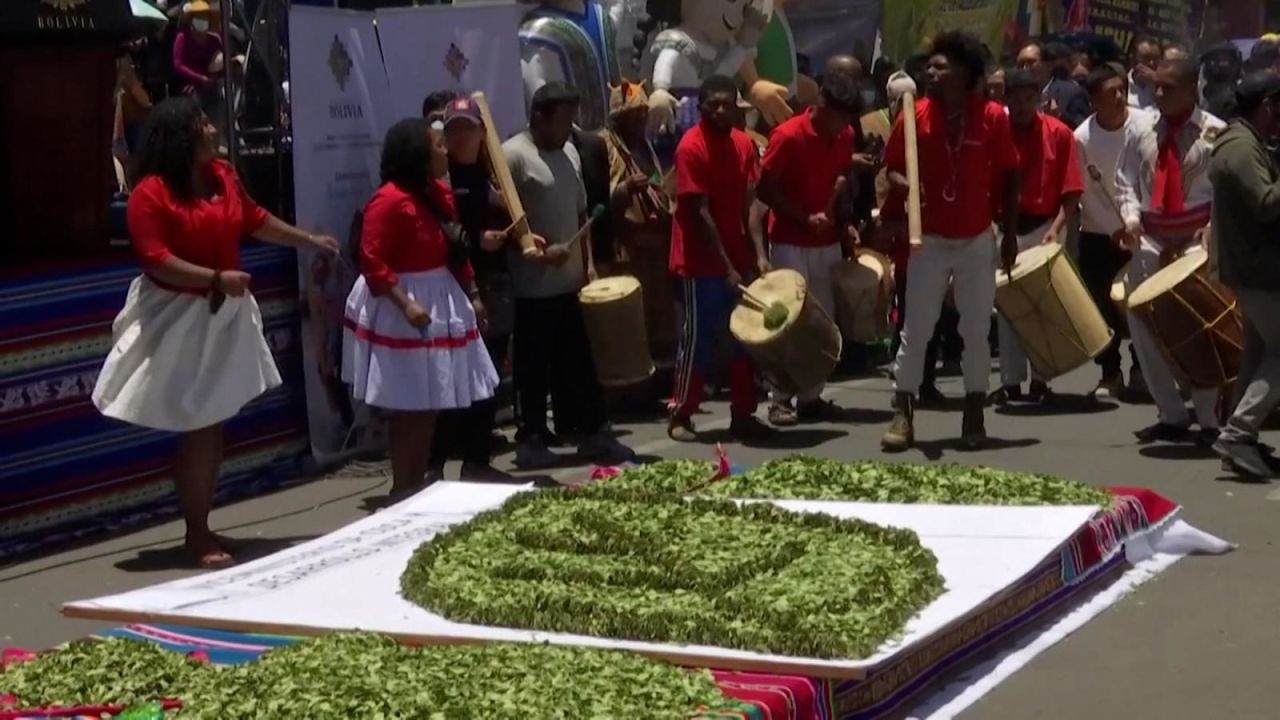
x=1257 y=87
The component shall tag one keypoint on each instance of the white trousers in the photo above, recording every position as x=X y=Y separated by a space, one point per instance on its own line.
x=969 y=265
x=1155 y=368
x=1013 y=361
x=815 y=264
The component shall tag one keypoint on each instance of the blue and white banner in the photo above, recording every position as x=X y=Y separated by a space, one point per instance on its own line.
x=341 y=110
x=463 y=48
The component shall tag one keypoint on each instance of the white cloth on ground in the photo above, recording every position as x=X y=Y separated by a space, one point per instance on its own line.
x=1155 y=367
x=815 y=264
x=393 y=365
x=177 y=366
x=939 y=263
x=1013 y=361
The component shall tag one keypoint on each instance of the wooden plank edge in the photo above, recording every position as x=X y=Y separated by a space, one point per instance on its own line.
x=81 y=612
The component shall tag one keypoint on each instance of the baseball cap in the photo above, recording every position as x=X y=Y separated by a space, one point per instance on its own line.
x=463 y=108
x=1257 y=87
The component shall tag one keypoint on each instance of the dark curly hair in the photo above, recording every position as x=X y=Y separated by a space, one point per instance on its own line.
x=406 y=160
x=964 y=51
x=406 y=155
x=172 y=136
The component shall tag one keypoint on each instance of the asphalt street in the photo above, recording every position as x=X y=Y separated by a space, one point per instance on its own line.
x=1200 y=641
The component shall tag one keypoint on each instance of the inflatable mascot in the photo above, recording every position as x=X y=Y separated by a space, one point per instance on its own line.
x=572 y=41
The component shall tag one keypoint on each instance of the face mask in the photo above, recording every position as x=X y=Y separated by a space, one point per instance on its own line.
x=200 y=25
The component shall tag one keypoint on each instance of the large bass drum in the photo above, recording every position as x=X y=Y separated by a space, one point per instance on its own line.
x=1058 y=324
x=613 y=309
x=1195 y=320
x=864 y=291
x=799 y=353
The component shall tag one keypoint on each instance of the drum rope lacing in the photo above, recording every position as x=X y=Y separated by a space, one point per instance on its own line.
x=1206 y=326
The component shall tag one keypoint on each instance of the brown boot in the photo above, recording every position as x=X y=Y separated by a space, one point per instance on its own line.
x=901 y=434
x=973 y=434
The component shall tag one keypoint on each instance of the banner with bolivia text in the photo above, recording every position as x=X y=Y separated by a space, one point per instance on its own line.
x=341 y=110
x=1123 y=20
x=908 y=24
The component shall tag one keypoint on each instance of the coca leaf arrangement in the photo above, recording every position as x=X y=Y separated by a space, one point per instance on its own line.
x=806 y=478
x=612 y=562
x=346 y=676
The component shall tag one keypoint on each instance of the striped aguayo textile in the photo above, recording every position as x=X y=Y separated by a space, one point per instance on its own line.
x=65 y=470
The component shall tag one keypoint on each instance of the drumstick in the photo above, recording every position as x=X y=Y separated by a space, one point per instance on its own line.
x=596 y=213
x=915 y=233
x=841 y=183
x=758 y=304
x=1096 y=175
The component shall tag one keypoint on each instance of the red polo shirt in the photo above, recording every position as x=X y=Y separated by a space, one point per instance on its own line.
x=958 y=196
x=1050 y=165
x=723 y=168
x=806 y=166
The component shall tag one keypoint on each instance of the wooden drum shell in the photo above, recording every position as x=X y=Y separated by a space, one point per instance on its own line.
x=1195 y=321
x=864 y=293
x=1048 y=305
x=801 y=354
x=613 y=310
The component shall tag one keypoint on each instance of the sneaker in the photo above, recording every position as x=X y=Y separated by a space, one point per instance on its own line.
x=681 y=430
x=532 y=454
x=951 y=368
x=478 y=473
x=1007 y=394
x=1109 y=388
x=1205 y=437
x=1244 y=459
x=1040 y=393
x=750 y=429
x=815 y=411
x=901 y=434
x=783 y=415
x=1162 y=432
x=604 y=447
x=973 y=433
x=931 y=396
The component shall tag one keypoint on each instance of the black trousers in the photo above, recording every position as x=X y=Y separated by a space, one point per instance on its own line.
x=1100 y=261
x=551 y=354
x=467 y=432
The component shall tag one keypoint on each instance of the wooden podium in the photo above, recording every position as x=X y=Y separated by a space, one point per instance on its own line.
x=57 y=74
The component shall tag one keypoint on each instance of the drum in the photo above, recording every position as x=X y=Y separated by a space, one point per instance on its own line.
x=1057 y=322
x=864 y=291
x=1195 y=321
x=1120 y=298
x=799 y=351
x=613 y=309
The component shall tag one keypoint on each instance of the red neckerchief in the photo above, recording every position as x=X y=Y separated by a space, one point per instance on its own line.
x=1166 y=194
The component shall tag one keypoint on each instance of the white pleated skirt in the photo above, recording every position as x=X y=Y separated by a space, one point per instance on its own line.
x=391 y=364
x=177 y=366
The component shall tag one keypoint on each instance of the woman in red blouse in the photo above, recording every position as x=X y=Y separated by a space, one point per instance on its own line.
x=412 y=343
x=189 y=351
